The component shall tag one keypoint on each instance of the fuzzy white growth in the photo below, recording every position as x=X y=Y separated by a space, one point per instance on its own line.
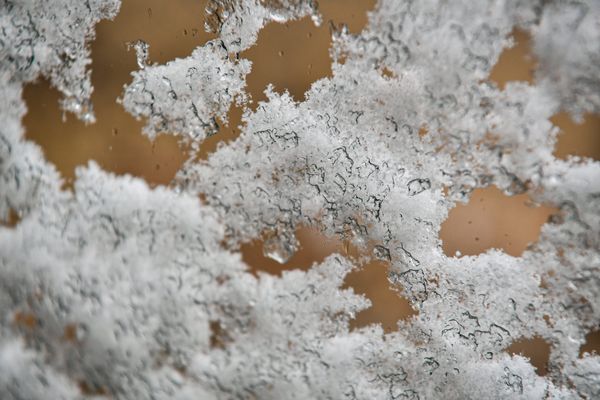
x=567 y=42
x=49 y=38
x=187 y=95
x=237 y=22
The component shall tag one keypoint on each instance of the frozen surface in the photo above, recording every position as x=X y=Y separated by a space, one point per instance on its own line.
x=49 y=39
x=119 y=290
x=186 y=95
x=237 y=22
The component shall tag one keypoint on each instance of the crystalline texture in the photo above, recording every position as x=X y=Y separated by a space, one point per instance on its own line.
x=567 y=42
x=238 y=21
x=49 y=39
x=129 y=292
x=186 y=95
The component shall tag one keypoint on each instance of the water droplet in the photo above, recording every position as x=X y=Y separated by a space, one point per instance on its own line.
x=280 y=247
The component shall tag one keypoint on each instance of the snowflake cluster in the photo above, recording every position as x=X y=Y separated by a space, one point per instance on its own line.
x=119 y=290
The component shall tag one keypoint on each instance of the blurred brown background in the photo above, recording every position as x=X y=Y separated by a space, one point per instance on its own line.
x=290 y=56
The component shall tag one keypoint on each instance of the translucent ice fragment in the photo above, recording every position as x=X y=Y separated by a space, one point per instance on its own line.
x=280 y=247
x=141 y=52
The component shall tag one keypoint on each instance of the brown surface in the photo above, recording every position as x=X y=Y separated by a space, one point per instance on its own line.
x=536 y=349
x=515 y=63
x=592 y=344
x=575 y=139
x=492 y=219
x=290 y=56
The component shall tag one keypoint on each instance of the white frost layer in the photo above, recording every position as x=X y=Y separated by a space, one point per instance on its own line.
x=40 y=37
x=187 y=95
x=139 y=293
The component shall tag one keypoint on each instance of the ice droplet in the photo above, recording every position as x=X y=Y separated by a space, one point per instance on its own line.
x=280 y=247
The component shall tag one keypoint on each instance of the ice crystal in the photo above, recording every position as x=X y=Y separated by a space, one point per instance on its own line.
x=186 y=95
x=120 y=290
x=567 y=41
x=238 y=21
x=49 y=39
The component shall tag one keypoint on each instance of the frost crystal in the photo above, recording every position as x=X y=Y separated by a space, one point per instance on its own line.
x=123 y=291
x=568 y=44
x=238 y=21
x=186 y=95
x=49 y=39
